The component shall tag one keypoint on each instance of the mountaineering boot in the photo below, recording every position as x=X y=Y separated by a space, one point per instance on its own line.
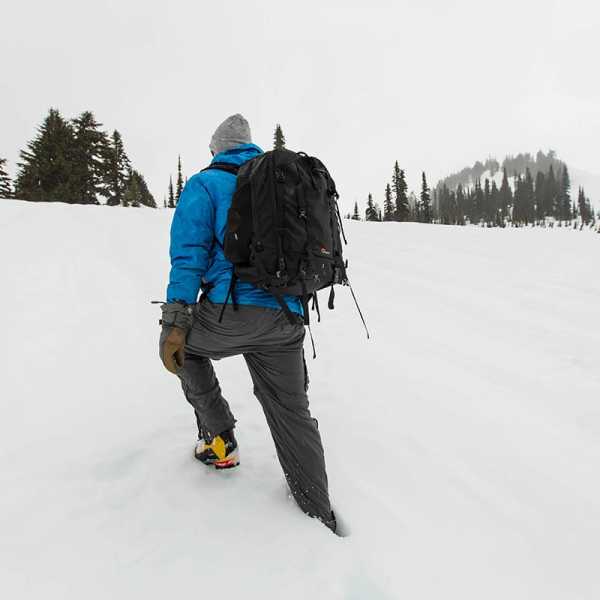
x=222 y=452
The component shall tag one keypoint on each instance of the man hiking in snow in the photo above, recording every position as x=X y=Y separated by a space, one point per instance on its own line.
x=193 y=334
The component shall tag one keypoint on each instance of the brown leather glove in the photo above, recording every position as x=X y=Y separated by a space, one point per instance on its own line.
x=176 y=322
x=172 y=348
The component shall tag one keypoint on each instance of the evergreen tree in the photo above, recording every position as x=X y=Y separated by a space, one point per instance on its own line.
x=278 y=138
x=478 y=203
x=179 y=183
x=478 y=170
x=442 y=199
x=582 y=205
x=471 y=208
x=132 y=196
x=372 y=212
x=505 y=197
x=45 y=173
x=495 y=217
x=143 y=193
x=400 y=198
x=135 y=197
x=116 y=172
x=539 y=196
x=171 y=195
x=388 y=205
x=88 y=169
x=165 y=201
x=517 y=211
x=455 y=217
x=414 y=213
x=564 y=195
x=461 y=205
x=443 y=202
x=492 y=165
x=5 y=185
x=451 y=208
x=487 y=202
x=589 y=211
x=356 y=214
x=425 y=201
x=550 y=194
x=528 y=199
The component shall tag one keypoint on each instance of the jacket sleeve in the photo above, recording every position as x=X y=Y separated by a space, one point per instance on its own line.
x=192 y=235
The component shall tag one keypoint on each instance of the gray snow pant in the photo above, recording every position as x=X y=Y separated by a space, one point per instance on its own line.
x=273 y=350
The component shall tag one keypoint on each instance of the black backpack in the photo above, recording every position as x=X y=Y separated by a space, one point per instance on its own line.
x=284 y=230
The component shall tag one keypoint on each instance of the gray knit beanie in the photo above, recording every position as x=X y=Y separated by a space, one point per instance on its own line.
x=233 y=131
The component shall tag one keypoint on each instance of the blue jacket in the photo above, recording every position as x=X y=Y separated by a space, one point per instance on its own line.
x=200 y=217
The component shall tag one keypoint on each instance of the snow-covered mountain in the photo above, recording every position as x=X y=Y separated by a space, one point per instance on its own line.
x=492 y=169
x=462 y=441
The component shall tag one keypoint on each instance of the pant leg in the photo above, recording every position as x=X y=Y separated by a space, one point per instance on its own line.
x=203 y=392
x=280 y=383
x=272 y=347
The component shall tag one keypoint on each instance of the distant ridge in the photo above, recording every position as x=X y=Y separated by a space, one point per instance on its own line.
x=517 y=165
x=514 y=165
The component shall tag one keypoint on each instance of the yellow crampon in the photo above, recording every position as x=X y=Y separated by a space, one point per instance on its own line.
x=222 y=452
x=217 y=446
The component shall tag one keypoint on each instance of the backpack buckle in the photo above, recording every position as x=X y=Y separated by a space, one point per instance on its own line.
x=281 y=279
x=337 y=275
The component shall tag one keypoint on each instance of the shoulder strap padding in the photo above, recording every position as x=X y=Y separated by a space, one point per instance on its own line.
x=221 y=166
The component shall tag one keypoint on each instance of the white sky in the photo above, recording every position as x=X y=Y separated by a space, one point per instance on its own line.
x=434 y=84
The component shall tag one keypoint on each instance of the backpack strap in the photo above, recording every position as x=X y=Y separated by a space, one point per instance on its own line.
x=231 y=295
x=221 y=166
x=315 y=306
x=232 y=170
x=284 y=307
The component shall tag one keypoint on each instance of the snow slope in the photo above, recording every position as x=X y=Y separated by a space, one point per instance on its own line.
x=462 y=441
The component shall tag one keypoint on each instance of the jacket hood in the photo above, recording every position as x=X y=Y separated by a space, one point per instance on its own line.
x=238 y=155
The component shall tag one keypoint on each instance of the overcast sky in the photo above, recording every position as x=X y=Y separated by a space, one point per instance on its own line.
x=433 y=84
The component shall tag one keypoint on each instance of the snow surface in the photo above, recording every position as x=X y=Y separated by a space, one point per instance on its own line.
x=462 y=441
